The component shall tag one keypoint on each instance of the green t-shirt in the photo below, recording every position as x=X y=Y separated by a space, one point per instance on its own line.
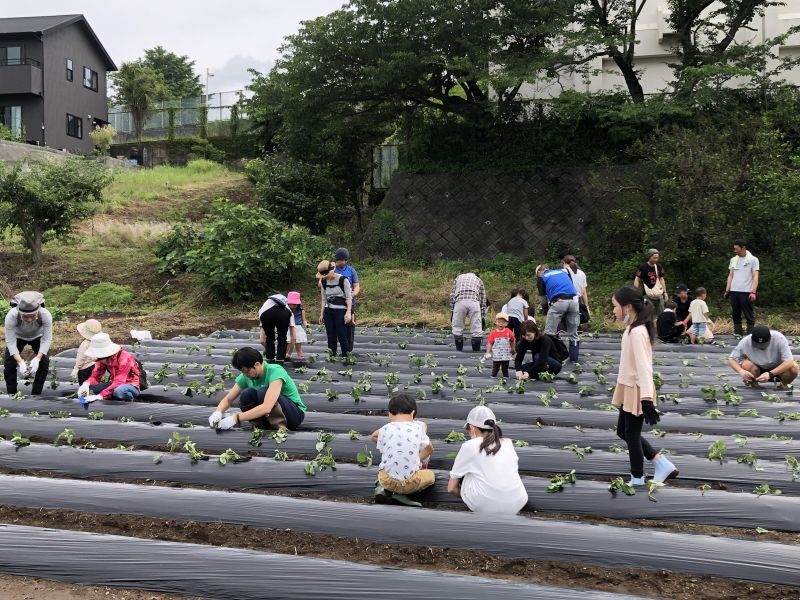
x=271 y=373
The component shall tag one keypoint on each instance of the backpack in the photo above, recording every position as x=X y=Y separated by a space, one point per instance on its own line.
x=279 y=299
x=143 y=385
x=337 y=300
x=34 y=298
x=560 y=351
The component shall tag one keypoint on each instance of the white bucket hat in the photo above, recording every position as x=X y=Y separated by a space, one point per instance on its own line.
x=478 y=416
x=101 y=346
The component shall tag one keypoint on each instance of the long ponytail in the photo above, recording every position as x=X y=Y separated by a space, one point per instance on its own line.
x=633 y=297
x=492 y=441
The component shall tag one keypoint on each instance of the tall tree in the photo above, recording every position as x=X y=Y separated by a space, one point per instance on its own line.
x=178 y=72
x=137 y=87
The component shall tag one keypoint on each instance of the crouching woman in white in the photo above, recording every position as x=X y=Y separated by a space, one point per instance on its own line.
x=485 y=472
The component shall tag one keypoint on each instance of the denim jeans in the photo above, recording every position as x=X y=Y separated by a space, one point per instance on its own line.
x=126 y=391
x=553 y=366
x=564 y=309
x=285 y=412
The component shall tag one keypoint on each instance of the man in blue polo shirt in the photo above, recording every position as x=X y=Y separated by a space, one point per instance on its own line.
x=346 y=270
x=561 y=294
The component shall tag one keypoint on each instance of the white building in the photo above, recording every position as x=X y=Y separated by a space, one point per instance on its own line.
x=653 y=54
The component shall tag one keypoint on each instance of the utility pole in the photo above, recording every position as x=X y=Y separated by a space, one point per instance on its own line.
x=209 y=74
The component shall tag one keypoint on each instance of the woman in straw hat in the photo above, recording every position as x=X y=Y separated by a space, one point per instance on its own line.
x=84 y=365
x=123 y=372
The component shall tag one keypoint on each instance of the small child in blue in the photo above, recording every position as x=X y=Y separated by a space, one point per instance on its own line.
x=299 y=317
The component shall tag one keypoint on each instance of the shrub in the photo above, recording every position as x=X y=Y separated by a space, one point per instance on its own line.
x=4 y=308
x=243 y=252
x=387 y=237
x=173 y=249
x=202 y=165
x=206 y=151
x=103 y=296
x=62 y=295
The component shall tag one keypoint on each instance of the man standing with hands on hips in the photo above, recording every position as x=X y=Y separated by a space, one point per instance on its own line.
x=742 y=286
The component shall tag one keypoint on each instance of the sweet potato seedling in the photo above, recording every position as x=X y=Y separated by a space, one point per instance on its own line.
x=122 y=446
x=703 y=488
x=572 y=378
x=281 y=455
x=618 y=484
x=586 y=390
x=191 y=449
x=331 y=394
x=4 y=412
x=717 y=451
x=323 y=440
x=546 y=376
x=740 y=439
x=714 y=413
x=788 y=416
x=228 y=456
x=749 y=458
x=157 y=459
x=652 y=486
x=33 y=413
x=322 y=461
x=616 y=449
x=59 y=414
x=455 y=437
x=579 y=452
x=750 y=412
x=175 y=442
x=765 y=490
x=364 y=458
x=124 y=419
x=658 y=432
x=282 y=434
x=521 y=443
x=544 y=399
x=420 y=394
x=353 y=435
x=65 y=436
x=771 y=398
x=557 y=482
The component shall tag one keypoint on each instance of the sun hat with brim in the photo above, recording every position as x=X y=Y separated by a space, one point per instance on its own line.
x=325 y=265
x=293 y=298
x=101 y=346
x=760 y=336
x=501 y=316
x=89 y=328
x=478 y=416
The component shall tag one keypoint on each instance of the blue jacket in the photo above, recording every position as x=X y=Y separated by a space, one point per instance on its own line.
x=558 y=283
x=349 y=273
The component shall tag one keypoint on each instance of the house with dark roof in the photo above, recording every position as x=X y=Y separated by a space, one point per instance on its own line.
x=53 y=80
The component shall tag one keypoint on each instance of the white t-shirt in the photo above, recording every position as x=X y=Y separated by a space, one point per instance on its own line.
x=580 y=283
x=399 y=443
x=269 y=304
x=698 y=309
x=516 y=307
x=491 y=483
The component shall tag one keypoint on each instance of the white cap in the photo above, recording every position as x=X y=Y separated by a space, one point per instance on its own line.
x=479 y=415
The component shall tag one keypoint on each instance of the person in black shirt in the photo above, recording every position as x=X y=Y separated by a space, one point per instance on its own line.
x=650 y=274
x=669 y=328
x=548 y=352
x=682 y=301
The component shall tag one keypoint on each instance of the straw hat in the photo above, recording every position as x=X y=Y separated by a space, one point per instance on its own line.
x=325 y=267
x=89 y=328
x=101 y=346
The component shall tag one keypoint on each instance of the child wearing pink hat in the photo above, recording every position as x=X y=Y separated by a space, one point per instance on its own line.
x=299 y=314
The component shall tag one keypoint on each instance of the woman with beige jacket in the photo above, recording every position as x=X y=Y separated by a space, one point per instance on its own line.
x=635 y=393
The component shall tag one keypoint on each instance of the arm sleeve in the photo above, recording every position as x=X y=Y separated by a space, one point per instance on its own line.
x=492 y=337
x=644 y=364
x=785 y=349
x=738 y=353
x=461 y=465
x=11 y=332
x=348 y=289
x=47 y=331
x=355 y=276
x=522 y=348
x=755 y=264
x=97 y=373
x=81 y=353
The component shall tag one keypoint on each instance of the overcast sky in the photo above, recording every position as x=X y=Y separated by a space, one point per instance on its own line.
x=226 y=36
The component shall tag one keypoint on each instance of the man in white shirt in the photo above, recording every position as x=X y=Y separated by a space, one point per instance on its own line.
x=742 y=286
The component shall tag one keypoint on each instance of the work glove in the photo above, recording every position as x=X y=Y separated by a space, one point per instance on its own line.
x=84 y=389
x=214 y=419
x=650 y=413
x=91 y=398
x=752 y=297
x=520 y=375
x=22 y=368
x=487 y=356
x=34 y=364
x=226 y=423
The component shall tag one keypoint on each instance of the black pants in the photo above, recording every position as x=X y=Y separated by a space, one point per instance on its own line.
x=497 y=365
x=337 y=330
x=272 y=320
x=10 y=368
x=740 y=304
x=675 y=334
x=84 y=374
x=351 y=329
x=553 y=366
x=285 y=412
x=629 y=428
x=514 y=325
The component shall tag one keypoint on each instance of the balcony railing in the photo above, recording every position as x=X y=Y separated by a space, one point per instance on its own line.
x=8 y=62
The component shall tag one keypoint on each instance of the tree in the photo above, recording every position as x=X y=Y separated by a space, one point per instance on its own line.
x=178 y=72
x=44 y=199
x=137 y=88
x=102 y=137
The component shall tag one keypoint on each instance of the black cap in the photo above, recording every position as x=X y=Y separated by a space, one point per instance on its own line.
x=681 y=287
x=761 y=335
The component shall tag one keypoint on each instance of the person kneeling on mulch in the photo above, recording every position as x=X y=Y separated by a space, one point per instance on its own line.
x=267 y=395
x=405 y=447
x=124 y=380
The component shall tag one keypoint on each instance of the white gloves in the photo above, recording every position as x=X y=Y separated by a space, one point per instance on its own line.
x=487 y=356
x=22 y=368
x=90 y=399
x=214 y=419
x=34 y=365
x=84 y=390
x=226 y=423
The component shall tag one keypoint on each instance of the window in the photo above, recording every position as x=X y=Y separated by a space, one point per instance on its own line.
x=74 y=126
x=11 y=55
x=11 y=117
x=89 y=79
x=70 y=72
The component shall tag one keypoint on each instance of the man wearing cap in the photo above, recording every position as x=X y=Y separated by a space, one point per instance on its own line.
x=28 y=323
x=651 y=275
x=742 y=286
x=123 y=372
x=561 y=294
x=344 y=268
x=468 y=301
x=762 y=356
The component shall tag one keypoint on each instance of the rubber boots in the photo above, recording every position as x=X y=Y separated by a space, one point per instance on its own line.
x=664 y=469
x=573 y=351
x=637 y=481
x=459 y=342
x=476 y=344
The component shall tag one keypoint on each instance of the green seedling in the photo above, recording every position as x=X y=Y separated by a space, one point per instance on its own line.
x=790 y=416
x=181 y=371
x=579 y=452
x=209 y=349
x=748 y=458
x=392 y=378
x=322 y=461
x=674 y=398
x=186 y=425
x=53 y=380
x=710 y=393
x=436 y=386
x=771 y=398
x=420 y=394
x=683 y=382
x=281 y=455
x=616 y=449
x=353 y=435
x=781 y=438
x=521 y=443
x=176 y=441
x=461 y=370
x=480 y=397
x=572 y=378
x=686 y=362
x=18 y=396
x=364 y=458
x=282 y=434
x=228 y=456
x=586 y=390
x=731 y=398
x=455 y=436
x=209 y=377
x=122 y=446
x=66 y=436
x=546 y=376
x=4 y=412
x=717 y=451
x=347 y=373
x=126 y=419
x=195 y=454
x=161 y=373
x=461 y=383
x=331 y=394
x=59 y=414
x=518 y=387
x=577 y=368
x=18 y=440
x=33 y=413
x=566 y=404
x=255 y=437
x=762 y=530
x=618 y=484
x=303 y=387
x=765 y=490
x=602 y=379
x=658 y=432
x=545 y=399
x=658 y=380
x=794 y=465
x=750 y=412
x=157 y=459
x=740 y=439
x=605 y=406
x=557 y=482
x=714 y=413
x=652 y=486
x=323 y=440
x=402 y=345
x=703 y=488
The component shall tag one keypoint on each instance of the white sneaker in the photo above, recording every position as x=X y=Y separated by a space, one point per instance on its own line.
x=637 y=481
x=664 y=470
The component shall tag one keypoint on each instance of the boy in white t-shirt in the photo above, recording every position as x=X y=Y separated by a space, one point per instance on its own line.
x=698 y=311
x=404 y=445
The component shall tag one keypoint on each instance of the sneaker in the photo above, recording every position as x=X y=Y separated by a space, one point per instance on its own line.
x=637 y=481
x=664 y=470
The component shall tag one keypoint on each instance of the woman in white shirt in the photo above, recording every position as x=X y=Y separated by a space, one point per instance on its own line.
x=485 y=473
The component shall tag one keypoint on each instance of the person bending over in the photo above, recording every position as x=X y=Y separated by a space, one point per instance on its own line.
x=28 y=323
x=268 y=397
x=547 y=352
x=124 y=381
x=762 y=356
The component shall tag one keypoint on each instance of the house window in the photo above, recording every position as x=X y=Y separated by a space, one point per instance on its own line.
x=11 y=117
x=74 y=126
x=90 y=79
x=11 y=55
x=70 y=72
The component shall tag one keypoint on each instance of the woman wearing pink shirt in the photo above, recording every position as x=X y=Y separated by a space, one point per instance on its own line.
x=635 y=392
